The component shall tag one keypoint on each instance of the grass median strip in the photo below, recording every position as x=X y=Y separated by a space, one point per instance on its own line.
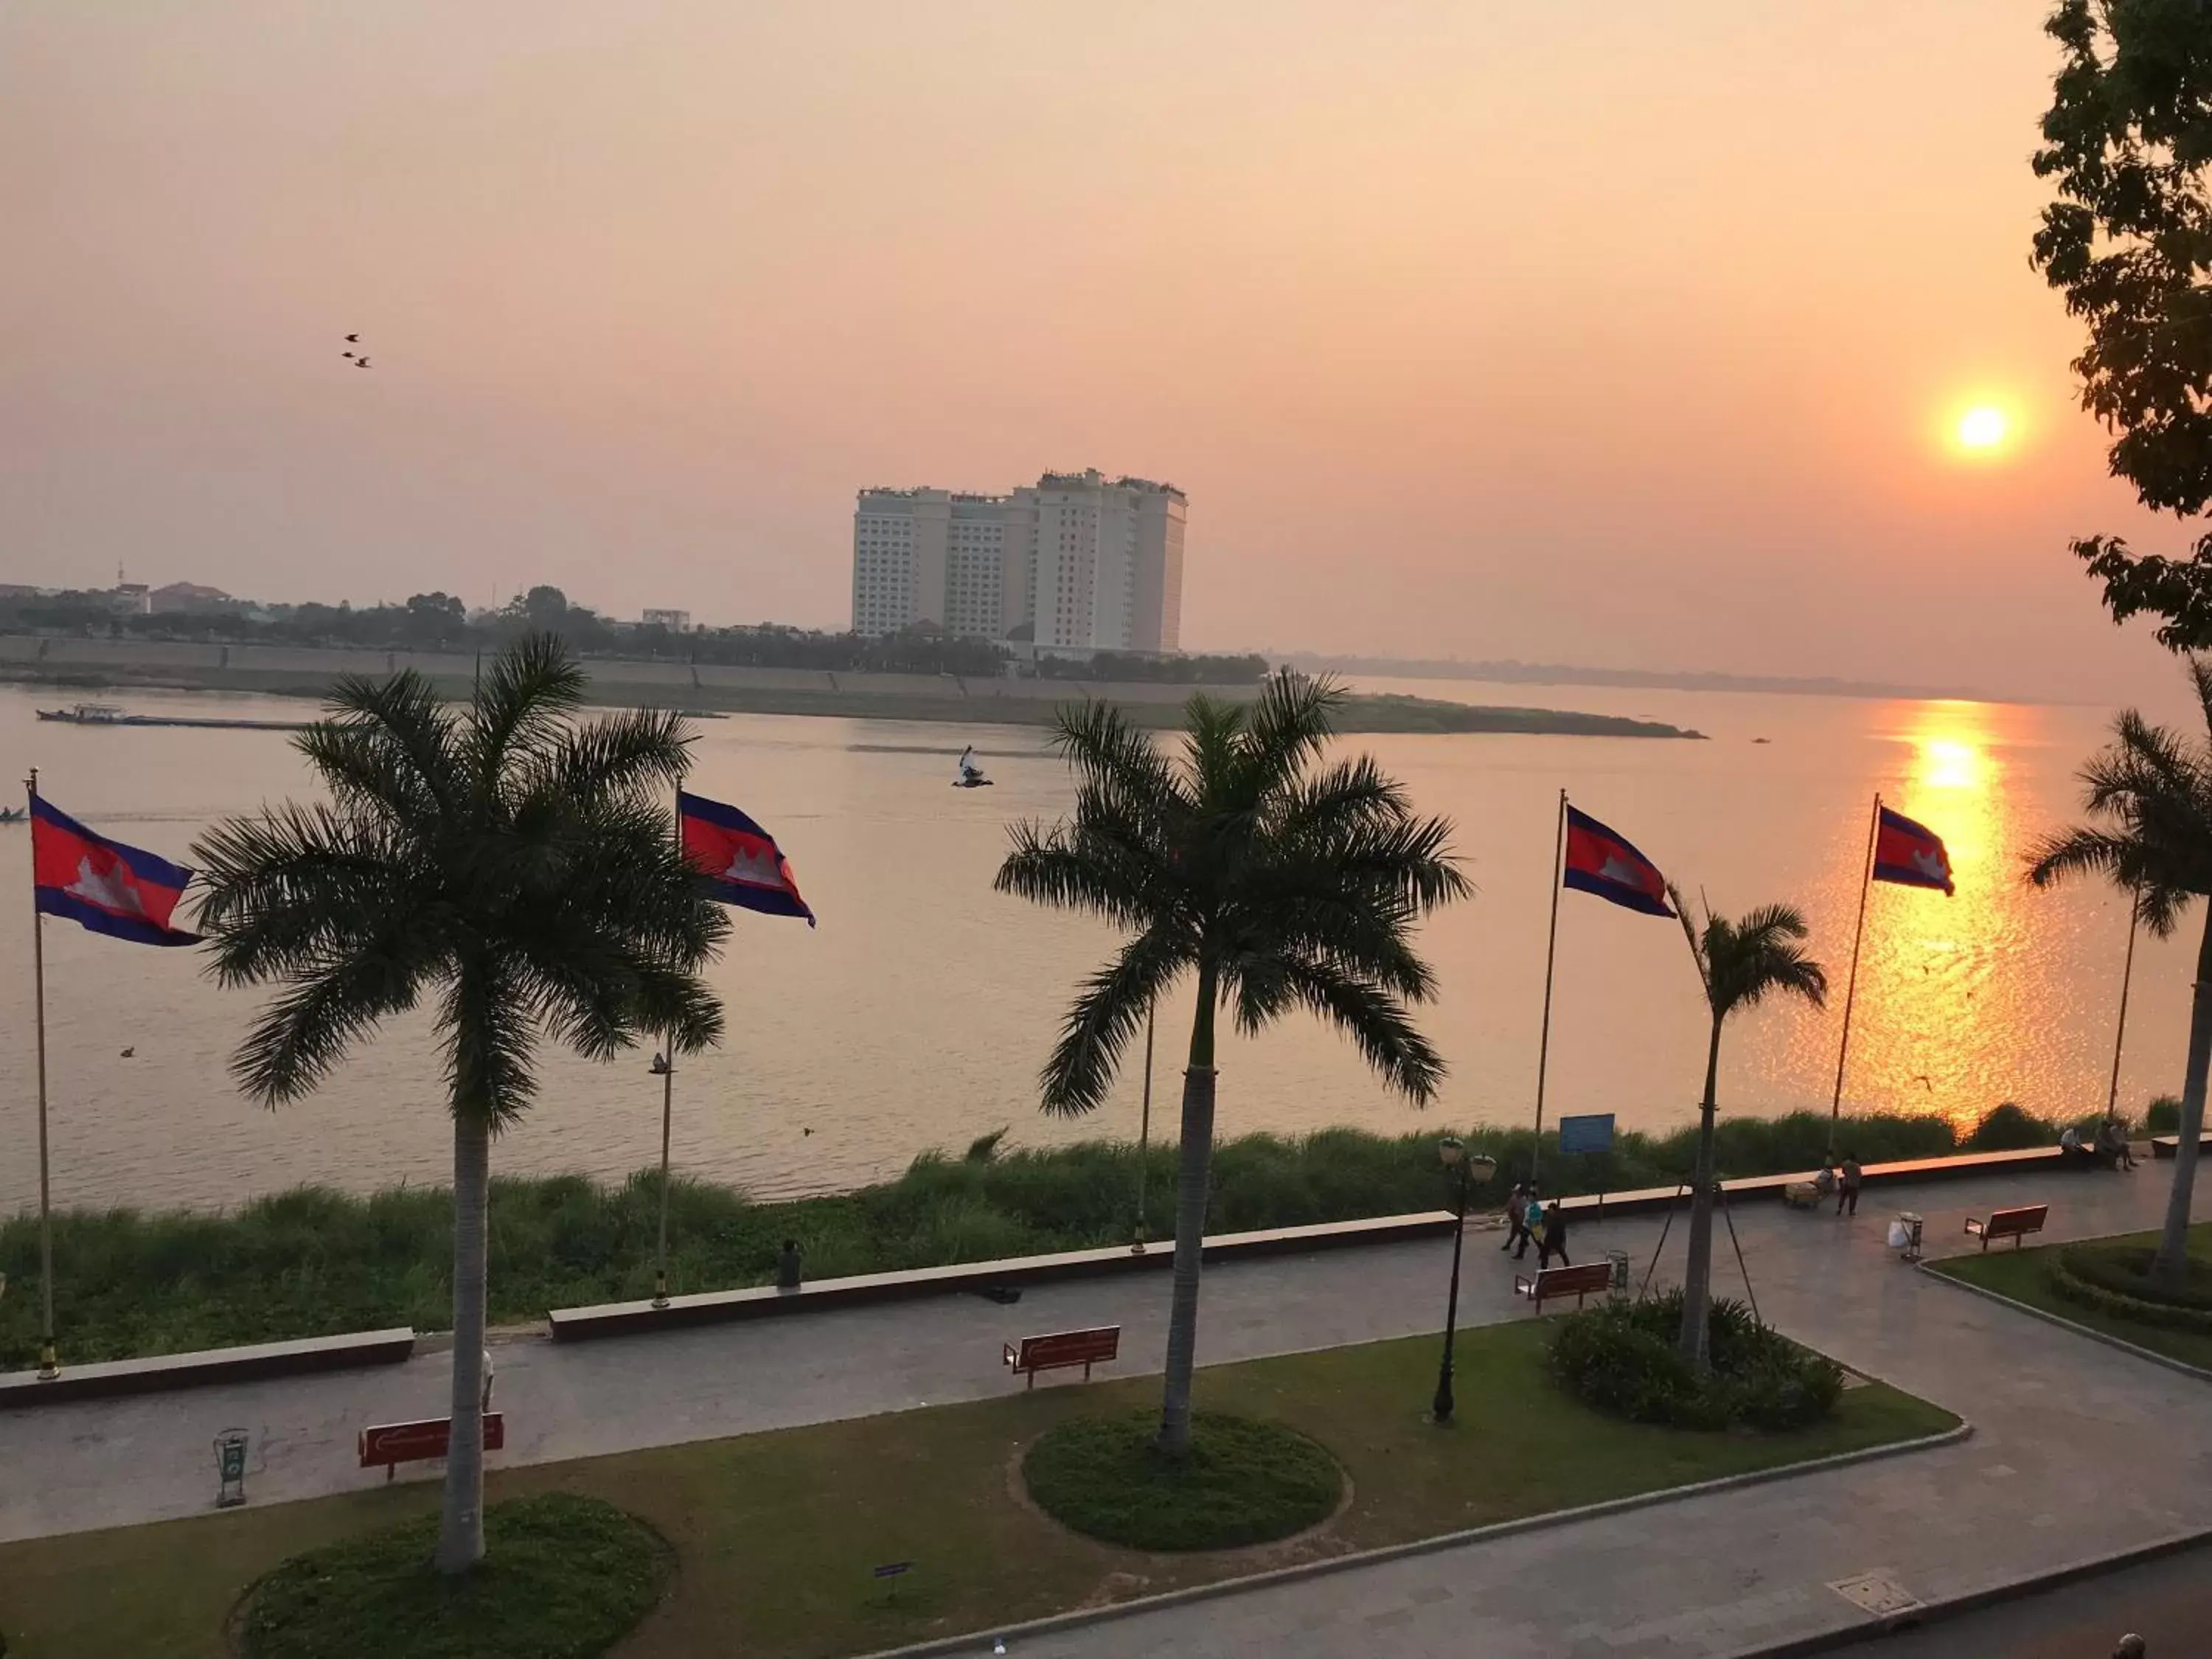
x=2024 y=1276
x=777 y=1535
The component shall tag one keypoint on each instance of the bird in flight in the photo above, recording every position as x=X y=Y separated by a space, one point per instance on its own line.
x=353 y=339
x=361 y=362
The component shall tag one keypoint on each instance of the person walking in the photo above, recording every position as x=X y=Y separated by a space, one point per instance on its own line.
x=1516 y=1216
x=1532 y=1222
x=1847 y=1193
x=1553 y=1239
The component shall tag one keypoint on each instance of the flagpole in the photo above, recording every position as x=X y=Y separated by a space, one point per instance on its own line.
x=1145 y=1129
x=1852 y=987
x=1551 y=955
x=2120 y=1035
x=667 y=1113
x=49 y=1363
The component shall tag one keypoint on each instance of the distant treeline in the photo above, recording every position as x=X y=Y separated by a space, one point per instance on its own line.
x=439 y=621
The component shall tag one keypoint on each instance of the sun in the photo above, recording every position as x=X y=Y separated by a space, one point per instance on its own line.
x=1982 y=427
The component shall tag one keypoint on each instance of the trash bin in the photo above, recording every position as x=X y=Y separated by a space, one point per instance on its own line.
x=1904 y=1235
x=1617 y=1288
x=230 y=1468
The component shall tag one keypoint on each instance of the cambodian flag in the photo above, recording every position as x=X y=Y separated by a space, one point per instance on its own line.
x=1910 y=852
x=739 y=859
x=1601 y=862
x=102 y=884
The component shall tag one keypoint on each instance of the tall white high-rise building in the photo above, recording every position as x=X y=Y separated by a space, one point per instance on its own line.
x=1076 y=560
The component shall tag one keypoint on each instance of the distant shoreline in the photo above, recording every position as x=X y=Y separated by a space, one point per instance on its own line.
x=113 y=666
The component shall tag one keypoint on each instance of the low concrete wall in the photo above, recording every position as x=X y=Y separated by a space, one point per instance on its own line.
x=167 y=1372
x=763 y=1302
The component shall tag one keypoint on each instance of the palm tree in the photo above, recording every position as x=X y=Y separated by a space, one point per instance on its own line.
x=2152 y=791
x=1740 y=963
x=513 y=865
x=1276 y=881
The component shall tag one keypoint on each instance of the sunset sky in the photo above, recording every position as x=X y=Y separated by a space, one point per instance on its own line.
x=1635 y=336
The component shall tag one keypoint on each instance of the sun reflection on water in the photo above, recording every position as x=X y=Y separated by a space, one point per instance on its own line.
x=1937 y=1021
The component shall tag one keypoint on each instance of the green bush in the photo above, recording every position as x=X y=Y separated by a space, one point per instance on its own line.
x=2115 y=1279
x=1621 y=1360
x=2163 y=1115
x=2010 y=1128
x=1245 y=1481
x=563 y=1576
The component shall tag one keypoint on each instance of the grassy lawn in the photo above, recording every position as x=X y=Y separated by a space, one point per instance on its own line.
x=2020 y=1275
x=775 y=1534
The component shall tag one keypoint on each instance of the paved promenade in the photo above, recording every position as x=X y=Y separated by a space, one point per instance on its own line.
x=2081 y=1449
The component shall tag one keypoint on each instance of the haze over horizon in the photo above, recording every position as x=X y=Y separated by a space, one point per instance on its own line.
x=1572 y=335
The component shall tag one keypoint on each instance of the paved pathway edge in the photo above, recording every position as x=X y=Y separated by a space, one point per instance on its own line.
x=2066 y=1324
x=1086 y=1616
x=1930 y=1612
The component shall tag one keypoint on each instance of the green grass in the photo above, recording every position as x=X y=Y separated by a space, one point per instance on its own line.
x=564 y=1577
x=777 y=1533
x=1245 y=1481
x=314 y=1262
x=2023 y=1276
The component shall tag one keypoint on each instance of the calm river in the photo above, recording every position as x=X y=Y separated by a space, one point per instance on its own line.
x=917 y=1015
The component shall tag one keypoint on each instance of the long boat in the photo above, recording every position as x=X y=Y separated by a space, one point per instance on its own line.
x=107 y=714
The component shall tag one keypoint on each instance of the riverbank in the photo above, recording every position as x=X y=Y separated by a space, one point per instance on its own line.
x=315 y=1262
x=108 y=667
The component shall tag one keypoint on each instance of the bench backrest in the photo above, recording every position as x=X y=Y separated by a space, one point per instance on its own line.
x=1575 y=1281
x=385 y=1443
x=2028 y=1218
x=1069 y=1348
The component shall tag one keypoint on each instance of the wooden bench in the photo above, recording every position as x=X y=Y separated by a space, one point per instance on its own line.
x=2015 y=1224
x=394 y=1443
x=2170 y=1146
x=1592 y=1277
x=1062 y=1349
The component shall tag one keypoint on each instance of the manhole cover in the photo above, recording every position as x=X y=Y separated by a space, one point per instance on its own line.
x=1876 y=1592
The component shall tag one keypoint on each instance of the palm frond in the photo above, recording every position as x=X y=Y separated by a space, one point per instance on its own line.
x=523 y=701
x=484 y=1026
x=1286 y=728
x=292 y=891
x=642 y=750
x=1105 y=1015
x=295 y=1041
x=1109 y=753
x=387 y=745
x=1072 y=868
x=1378 y=1024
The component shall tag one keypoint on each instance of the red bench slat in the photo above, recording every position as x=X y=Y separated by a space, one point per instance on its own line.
x=390 y=1444
x=1060 y=1349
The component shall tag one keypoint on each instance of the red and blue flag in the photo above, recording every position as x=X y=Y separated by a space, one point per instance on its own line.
x=1910 y=852
x=738 y=859
x=1599 y=861
x=123 y=892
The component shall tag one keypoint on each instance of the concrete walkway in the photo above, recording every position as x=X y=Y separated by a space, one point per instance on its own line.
x=2080 y=1450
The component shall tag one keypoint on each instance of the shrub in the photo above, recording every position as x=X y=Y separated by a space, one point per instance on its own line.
x=1621 y=1360
x=2115 y=1279
x=565 y=1577
x=1245 y=1481
x=2010 y=1128
x=2163 y=1115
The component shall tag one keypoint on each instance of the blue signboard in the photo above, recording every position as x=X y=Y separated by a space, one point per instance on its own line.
x=1590 y=1133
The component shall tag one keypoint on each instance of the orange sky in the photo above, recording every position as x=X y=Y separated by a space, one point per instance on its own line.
x=1582 y=332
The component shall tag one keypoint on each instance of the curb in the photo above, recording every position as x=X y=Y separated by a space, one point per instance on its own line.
x=2066 y=1324
x=979 y=1640
x=1930 y=1613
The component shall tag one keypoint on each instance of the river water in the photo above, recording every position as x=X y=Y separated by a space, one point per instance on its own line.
x=918 y=1014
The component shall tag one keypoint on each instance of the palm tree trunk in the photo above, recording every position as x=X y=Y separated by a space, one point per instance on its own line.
x=1194 y=1175
x=2170 y=1266
x=460 y=1533
x=1698 y=1274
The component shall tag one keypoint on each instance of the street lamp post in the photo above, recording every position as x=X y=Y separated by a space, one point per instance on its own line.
x=1452 y=1151
x=664 y=1068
